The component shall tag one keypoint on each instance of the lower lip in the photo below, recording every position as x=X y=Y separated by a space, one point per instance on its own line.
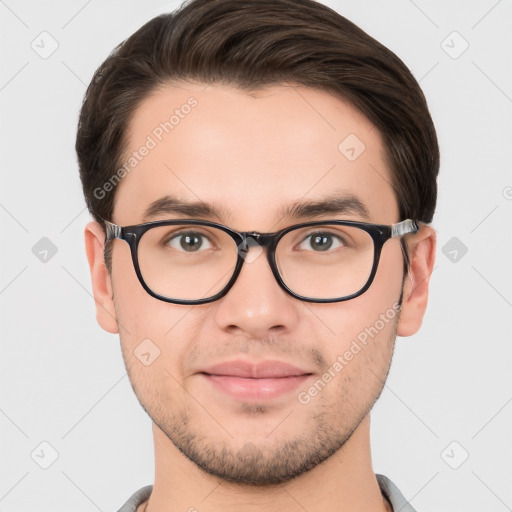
x=255 y=389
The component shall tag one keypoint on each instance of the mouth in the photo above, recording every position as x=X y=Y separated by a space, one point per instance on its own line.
x=255 y=382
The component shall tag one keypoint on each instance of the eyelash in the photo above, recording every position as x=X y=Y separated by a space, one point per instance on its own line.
x=310 y=236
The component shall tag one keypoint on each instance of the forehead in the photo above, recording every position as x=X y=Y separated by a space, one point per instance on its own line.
x=250 y=153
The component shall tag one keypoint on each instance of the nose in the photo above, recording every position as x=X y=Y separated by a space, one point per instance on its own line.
x=256 y=306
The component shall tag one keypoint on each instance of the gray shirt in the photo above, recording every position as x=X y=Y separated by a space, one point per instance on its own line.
x=387 y=487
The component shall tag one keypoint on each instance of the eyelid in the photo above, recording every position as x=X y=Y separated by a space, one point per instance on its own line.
x=183 y=230
x=307 y=236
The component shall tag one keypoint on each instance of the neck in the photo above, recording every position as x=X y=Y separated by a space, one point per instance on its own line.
x=344 y=482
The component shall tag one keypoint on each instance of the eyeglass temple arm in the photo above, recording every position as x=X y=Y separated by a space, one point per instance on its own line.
x=112 y=231
x=404 y=227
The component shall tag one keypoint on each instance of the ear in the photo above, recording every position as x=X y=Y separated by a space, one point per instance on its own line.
x=101 y=281
x=422 y=250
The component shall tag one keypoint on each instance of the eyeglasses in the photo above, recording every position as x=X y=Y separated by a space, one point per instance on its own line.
x=196 y=261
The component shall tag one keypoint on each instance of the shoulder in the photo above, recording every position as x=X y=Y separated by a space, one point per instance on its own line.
x=393 y=494
x=136 y=499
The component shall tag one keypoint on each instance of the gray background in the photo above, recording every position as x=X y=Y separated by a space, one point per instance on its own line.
x=63 y=382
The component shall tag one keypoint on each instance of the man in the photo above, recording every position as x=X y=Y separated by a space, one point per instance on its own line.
x=262 y=175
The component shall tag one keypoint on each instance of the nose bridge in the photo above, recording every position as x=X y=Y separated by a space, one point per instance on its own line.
x=259 y=242
x=255 y=239
x=263 y=239
x=256 y=302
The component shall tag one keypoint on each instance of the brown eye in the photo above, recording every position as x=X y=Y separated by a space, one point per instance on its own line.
x=321 y=241
x=189 y=241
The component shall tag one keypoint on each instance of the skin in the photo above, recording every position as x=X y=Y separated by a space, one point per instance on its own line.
x=252 y=153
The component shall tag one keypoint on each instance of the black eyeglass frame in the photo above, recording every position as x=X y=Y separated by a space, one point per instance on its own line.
x=379 y=233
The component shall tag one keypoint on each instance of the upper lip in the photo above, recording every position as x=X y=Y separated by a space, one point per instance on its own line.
x=261 y=370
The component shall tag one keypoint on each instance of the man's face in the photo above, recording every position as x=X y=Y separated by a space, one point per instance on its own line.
x=251 y=155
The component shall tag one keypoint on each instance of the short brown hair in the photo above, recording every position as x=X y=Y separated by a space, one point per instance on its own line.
x=251 y=44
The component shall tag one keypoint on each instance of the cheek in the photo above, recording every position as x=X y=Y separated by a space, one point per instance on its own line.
x=153 y=343
x=151 y=331
x=368 y=321
x=357 y=361
x=363 y=332
x=387 y=284
x=139 y=313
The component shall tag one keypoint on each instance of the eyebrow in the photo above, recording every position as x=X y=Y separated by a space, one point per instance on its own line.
x=344 y=204
x=170 y=205
x=334 y=205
